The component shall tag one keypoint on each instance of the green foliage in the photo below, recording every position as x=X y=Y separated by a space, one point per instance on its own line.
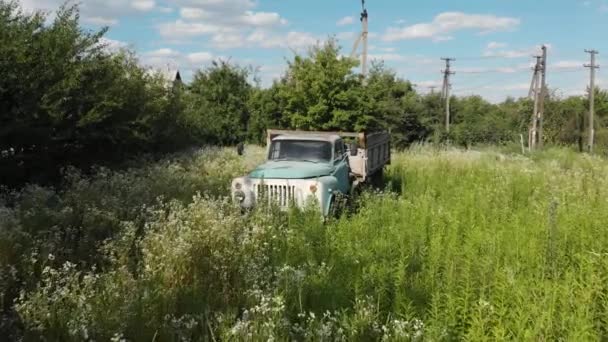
x=266 y=106
x=73 y=223
x=64 y=98
x=478 y=245
x=476 y=122
x=217 y=103
x=322 y=92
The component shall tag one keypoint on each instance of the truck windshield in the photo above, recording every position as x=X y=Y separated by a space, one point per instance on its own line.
x=300 y=150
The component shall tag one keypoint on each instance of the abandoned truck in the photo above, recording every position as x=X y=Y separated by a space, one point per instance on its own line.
x=318 y=166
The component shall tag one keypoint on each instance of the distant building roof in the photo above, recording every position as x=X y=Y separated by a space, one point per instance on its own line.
x=169 y=75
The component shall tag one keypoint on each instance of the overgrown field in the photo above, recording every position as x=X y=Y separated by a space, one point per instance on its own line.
x=460 y=245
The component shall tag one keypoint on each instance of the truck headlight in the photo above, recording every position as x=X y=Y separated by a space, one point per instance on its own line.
x=239 y=196
x=313 y=188
x=238 y=186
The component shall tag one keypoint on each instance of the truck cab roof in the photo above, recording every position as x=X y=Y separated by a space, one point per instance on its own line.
x=314 y=137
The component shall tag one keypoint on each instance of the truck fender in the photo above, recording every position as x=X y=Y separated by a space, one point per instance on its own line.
x=330 y=186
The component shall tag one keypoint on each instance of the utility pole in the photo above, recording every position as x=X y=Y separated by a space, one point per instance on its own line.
x=362 y=38
x=592 y=66
x=543 y=95
x=534 y=91
x=432 y=89
x=445 y=91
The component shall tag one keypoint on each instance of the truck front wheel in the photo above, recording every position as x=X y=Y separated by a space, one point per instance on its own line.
x=337 y=205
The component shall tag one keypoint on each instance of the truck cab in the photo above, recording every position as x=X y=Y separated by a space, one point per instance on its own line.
x=303 y=167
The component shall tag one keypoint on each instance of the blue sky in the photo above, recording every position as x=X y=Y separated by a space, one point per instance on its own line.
x=492 y=40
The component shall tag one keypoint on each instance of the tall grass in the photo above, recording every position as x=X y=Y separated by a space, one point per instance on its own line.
x=461 y=246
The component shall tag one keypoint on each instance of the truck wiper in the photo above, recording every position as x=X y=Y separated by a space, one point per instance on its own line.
x=294 y=159
x=309 y=160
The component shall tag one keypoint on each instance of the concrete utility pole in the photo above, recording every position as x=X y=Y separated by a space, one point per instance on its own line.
x=445 y=91
x=543 y=94
x=534 y=91
x=362 y=38
x=592 y=66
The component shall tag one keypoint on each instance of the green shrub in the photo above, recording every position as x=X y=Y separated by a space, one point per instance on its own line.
x=472 y=246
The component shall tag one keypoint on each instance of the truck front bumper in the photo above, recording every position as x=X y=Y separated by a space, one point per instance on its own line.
x=284 y=193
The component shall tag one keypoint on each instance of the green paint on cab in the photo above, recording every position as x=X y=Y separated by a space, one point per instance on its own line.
x=290 y=169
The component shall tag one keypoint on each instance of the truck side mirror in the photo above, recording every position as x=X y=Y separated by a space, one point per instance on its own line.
x=353 y=148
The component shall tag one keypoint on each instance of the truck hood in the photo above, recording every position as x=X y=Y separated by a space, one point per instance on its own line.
x=291 y=170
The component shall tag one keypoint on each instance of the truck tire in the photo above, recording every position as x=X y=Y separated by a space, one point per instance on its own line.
x=377 y=179
x=337 y=205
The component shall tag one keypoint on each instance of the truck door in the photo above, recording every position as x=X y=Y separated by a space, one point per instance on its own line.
x=342 y=172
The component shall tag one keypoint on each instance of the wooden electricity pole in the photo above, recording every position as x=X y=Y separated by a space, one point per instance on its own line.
x=432 y=88
x=534 y=91
x=592 y=66
x=543 y=95
x=445 y=91
x=362 y=39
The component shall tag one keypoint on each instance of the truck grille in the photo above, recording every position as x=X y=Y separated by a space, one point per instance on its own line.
x=282 y=195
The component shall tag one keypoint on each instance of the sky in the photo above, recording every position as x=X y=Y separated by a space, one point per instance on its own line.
x=493 y=41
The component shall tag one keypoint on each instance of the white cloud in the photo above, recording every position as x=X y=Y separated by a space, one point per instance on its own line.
x=101 y=21
x=227 y=24
x=270 y=73
x=567 y=64
x=224 y=20
x=389 y=56
x=518 y=53
x=516 y=86
x=496 y=45
x=448 y=22
x=431 y=83
x=112 y=45
x=180 y=28
x=499 y=70
x=345 y=21
x=164 y=52
x=347 y=35
x=442 y=38
x=161 y=58
x=292 y=39
x=228 y=40
x=218 y=6
x=200 y=57
x=261 y=19
x=428 y=86
x=143 y=5
x=247 y=18
x=96 y=12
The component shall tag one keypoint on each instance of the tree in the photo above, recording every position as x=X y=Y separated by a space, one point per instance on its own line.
x=217 y=103
x=65 y=99
x=266 y=108
x=321 y=91
x=395 y=106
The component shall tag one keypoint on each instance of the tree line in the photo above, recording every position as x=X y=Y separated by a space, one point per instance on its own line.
x=66 y=99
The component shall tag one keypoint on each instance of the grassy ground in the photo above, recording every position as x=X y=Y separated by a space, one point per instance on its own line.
x=461 y=245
